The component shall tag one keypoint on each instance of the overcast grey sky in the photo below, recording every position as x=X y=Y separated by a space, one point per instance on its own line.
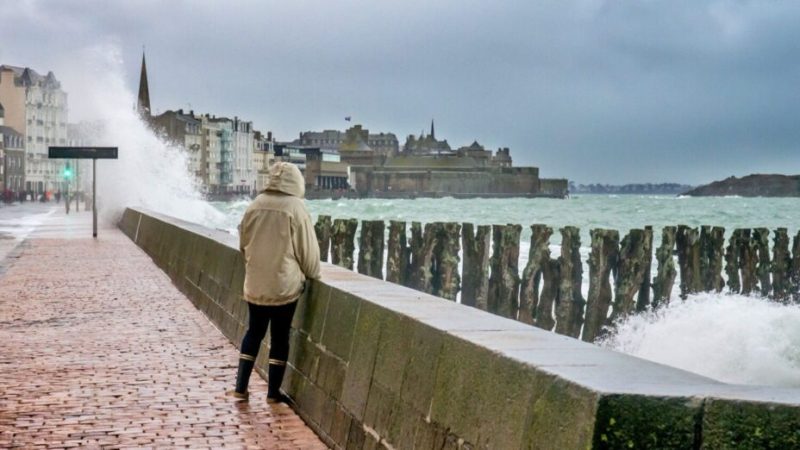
x=595 y=91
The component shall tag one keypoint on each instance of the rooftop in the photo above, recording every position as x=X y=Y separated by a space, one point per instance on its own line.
x=8 y=131
x=28 y=77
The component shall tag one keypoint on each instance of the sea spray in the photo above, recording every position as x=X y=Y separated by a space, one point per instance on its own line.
x=149 y=173
x=731 y=338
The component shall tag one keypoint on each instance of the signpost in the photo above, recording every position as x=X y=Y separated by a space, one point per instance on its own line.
x=93 y=153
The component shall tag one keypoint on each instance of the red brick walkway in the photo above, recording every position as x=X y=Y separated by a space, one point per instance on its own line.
x=99 y=350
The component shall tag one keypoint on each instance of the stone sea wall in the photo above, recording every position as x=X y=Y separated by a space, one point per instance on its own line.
x=378 y=365
x=547 y=291
x=442 y=182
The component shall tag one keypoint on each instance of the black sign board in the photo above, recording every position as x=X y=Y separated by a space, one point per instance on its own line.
x=82 y=153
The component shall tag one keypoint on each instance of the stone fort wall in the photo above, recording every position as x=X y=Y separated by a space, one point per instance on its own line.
x=521 y=181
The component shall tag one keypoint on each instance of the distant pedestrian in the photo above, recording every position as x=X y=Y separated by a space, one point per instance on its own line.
x=280 y=251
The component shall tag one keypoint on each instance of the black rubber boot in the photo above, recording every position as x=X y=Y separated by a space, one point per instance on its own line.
x=246 y=363
x=275 y=373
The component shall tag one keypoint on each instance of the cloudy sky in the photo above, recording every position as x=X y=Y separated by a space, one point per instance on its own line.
x=595 y=91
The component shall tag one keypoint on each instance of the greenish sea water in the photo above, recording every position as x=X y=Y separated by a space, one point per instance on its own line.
x=585 y=211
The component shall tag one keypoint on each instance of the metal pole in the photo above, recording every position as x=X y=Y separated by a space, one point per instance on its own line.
x=77 y=185
x=66 y=189
x=94 y=197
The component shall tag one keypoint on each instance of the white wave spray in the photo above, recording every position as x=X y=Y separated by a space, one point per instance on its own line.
x=149 y=173
x=731 y=338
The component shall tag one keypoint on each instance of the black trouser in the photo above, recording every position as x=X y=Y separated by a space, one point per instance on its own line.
x=279 y=321
x=280 y=318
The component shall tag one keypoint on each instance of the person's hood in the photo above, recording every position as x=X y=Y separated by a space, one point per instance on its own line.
x=286 y=178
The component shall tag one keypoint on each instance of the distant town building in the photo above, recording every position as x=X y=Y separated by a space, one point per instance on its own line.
x=502 y=158
x=477 y=152
x=324 y=170
x=220 y=150
x=243 y=171
x=426 y=145
x=263 y=157
x=12 y=154
x=383 y=144
x=36 y=107
x=356 y=151
x=184 y=130
x=217 y=135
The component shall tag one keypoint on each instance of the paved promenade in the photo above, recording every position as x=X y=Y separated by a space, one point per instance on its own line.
x=99 y=350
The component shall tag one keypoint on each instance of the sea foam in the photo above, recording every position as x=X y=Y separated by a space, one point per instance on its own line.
x=731 y=338
x=149 y=173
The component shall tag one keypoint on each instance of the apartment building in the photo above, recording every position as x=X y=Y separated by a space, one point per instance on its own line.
x=36 y=107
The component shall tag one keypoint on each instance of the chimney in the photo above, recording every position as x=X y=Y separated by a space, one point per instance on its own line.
x=269 y=136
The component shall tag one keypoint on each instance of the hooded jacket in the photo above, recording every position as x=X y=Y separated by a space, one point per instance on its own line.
x=277 y=239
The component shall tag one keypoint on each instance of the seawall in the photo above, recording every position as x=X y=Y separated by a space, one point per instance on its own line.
x=374 y=364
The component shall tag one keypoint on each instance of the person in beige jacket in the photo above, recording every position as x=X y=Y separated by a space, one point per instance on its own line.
x=281 y=252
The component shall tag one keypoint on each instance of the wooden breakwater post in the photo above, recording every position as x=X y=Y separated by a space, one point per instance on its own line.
x=370 y=248
x=548 y=297
x=781 y=266
x=760 y=238
x=397 y=253
x=532 y=274
x=414 y=255
x=570 y=302
x=665 y=271
x=732 y=262
x=323 y=231
x=343 y=242
x=631 y=271
x=687 y=243
x=794 y=274
x=504 y=279
x=748 y=261
x=475 y=282
x=643 y=296
x=446 y=279
x=422 y=247
x=712 y=243
x=603 y=258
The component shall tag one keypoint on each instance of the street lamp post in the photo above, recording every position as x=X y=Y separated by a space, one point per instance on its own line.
x=92 y=153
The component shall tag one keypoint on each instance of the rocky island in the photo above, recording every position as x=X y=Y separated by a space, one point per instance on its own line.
x=756 y=185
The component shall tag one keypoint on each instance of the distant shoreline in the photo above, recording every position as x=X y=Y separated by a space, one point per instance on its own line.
x=756 y=185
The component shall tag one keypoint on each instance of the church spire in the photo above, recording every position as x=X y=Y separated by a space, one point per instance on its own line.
x=143 y=104
x=433 y=135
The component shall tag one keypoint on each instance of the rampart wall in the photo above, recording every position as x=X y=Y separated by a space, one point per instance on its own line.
x=522 y=181
x=378 y=365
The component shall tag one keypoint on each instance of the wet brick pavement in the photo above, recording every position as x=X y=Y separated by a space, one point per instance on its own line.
x=99 y=350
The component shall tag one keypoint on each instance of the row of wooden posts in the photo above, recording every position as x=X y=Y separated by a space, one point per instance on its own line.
x=548 y=294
